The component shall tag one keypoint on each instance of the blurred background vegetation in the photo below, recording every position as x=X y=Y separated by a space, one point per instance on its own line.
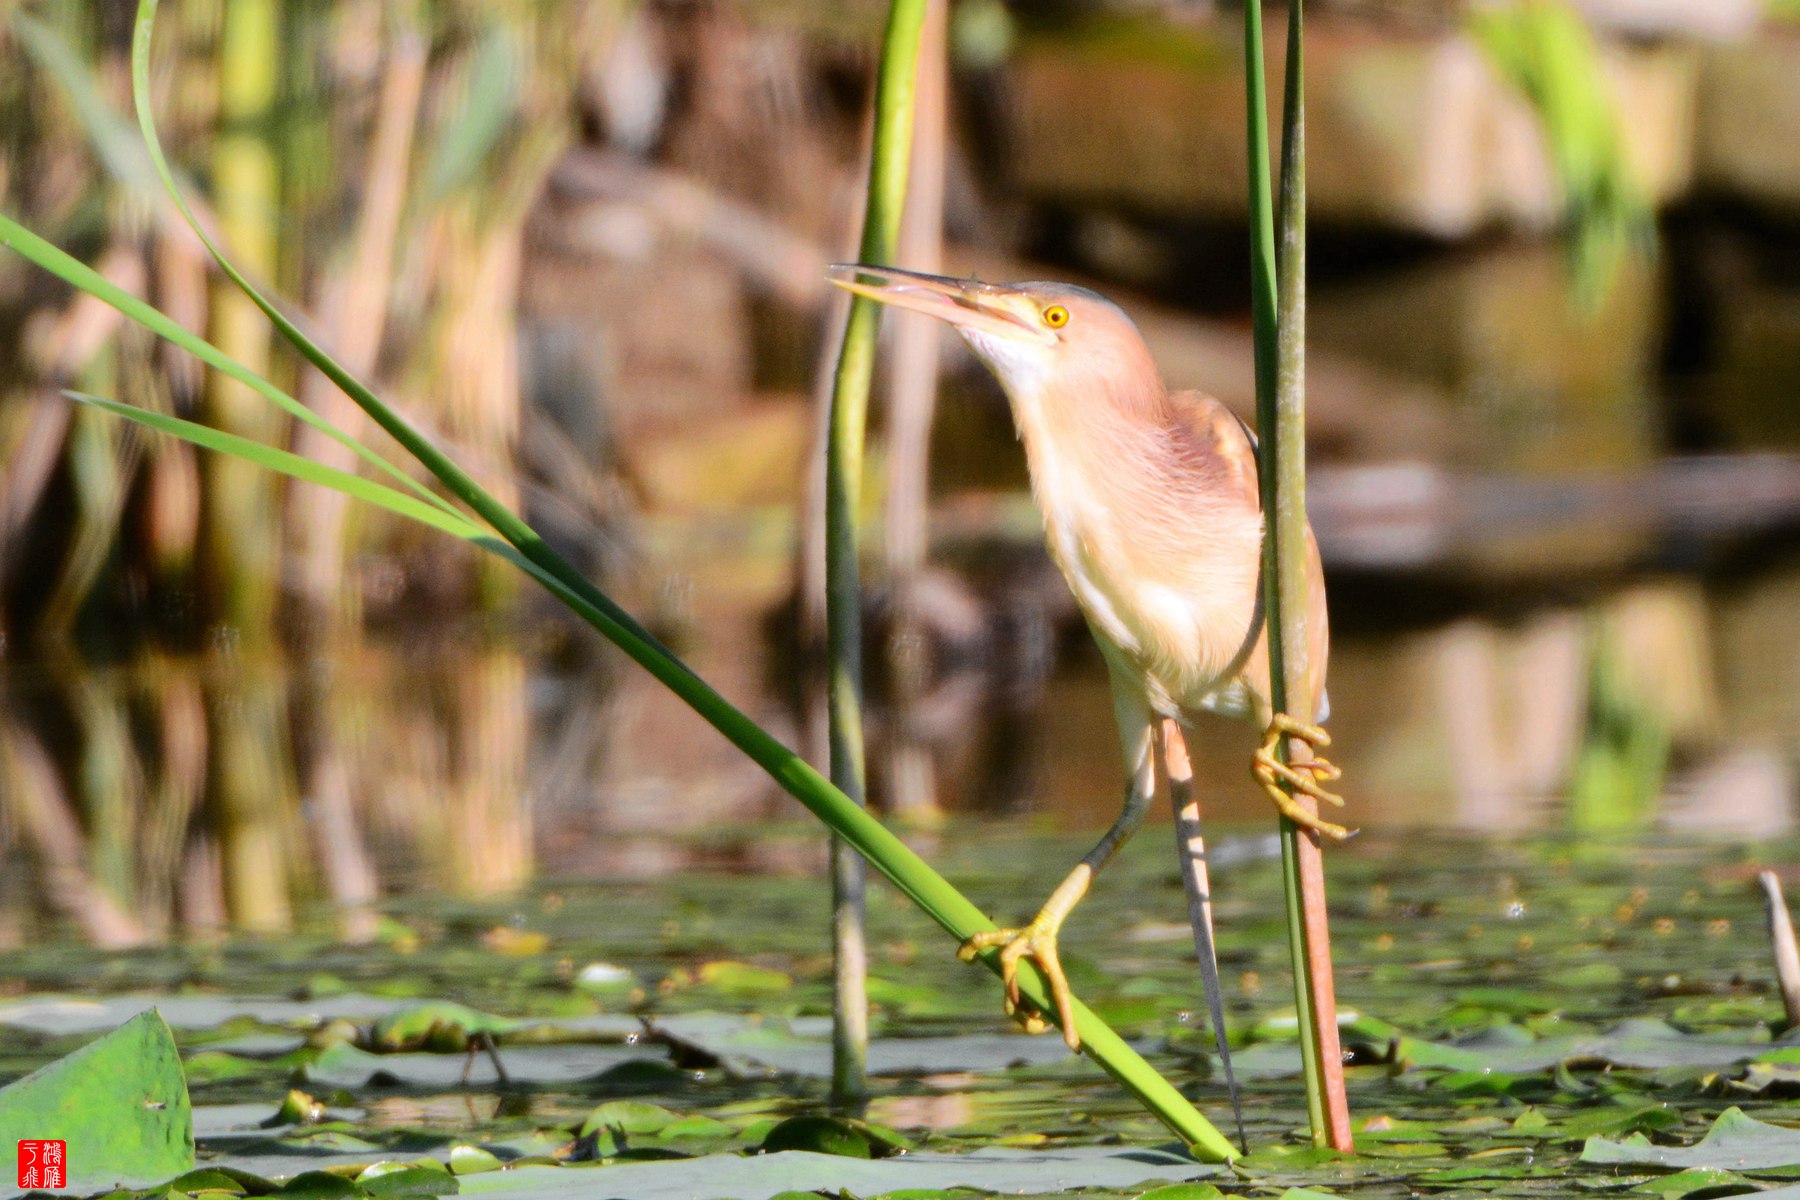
x=1555 y=393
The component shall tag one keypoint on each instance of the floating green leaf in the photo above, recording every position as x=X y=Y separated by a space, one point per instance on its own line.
x=744 y=979
x=628 y=1117
x=120 y=1103
x=1736 y=1142
x=821 y=1135
x=345 y=1066
x=407 y=1181
x=320 y=1185
x=759 y=1047
x=1182 y=1191
x=1695 y=1179
x=473 y=1160
x=753 y=1177
x=440 y=1025
x=219 y=1182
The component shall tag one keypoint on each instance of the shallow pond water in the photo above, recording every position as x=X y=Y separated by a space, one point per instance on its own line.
x=1506 y=1002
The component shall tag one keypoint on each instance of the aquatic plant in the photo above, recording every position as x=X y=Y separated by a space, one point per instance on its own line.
x=1278 y=305
x=889 y=157
x=1545 y=50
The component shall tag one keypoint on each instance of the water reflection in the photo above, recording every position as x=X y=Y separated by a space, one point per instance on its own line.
x=165 y=795
x=170 y=796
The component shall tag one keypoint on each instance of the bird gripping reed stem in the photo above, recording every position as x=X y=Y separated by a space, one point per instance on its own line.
x=1278 y=305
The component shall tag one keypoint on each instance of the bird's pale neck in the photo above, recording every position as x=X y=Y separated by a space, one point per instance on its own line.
x=1110 y=412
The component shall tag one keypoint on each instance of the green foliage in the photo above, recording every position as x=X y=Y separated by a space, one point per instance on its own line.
x=821 y=1135
x=407 y=1181
x=1609 y=1023
x=627 y=1117
x=118 y=148
x=1183 y=1191
x=1624 y=754
x=120 y=1103
x=490 y=100
x=472 y=1160
x=890 y=156
x=743 y=979
x=1544 y=49
x=1735 y=1141
x=435 y=1025
x=297 y=1108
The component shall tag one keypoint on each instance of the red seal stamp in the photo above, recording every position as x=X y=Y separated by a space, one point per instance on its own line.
x=43 y=1163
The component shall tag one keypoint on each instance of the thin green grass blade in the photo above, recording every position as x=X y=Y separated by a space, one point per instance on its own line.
x=1290 y=618
x=489 y=101
x=121 y=153
x=79 y=275
x=295 y=466
x=1263 y=312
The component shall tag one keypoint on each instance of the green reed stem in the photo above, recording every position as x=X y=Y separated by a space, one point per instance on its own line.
x=890 y=152
x=521 y=545
x=242 y=538
x=1278 y=305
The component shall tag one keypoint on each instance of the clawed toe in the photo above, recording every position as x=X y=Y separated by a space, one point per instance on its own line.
x=1038 y=944
x=1305 y=778
x=1295 y=812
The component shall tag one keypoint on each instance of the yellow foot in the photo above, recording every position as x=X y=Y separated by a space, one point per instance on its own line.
x=1307 y=778
x=1037 y=940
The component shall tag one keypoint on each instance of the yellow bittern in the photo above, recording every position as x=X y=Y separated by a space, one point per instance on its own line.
x=1151 y=509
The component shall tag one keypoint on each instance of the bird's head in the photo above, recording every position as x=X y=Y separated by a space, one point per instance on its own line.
x=1041 y=340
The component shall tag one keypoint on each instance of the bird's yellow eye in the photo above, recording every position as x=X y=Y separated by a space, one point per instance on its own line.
x=1056 y=316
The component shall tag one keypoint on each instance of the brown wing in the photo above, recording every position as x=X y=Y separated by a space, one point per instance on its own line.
x=1216 y=437
x=1217 y=434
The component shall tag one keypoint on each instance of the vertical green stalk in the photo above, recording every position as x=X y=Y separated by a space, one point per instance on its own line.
x=242 y=549
x=1264 y=306
x=250 y=783
x=1284 y=563
x=889 y=153
x=1278 y=303
x=912 y=381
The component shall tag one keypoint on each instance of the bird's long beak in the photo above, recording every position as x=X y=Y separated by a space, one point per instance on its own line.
x=990 y=308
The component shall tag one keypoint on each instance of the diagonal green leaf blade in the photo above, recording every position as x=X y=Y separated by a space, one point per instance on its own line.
x=402 y=431
x=110 y=133
x=292 y=465
x=79 y=275
x=490 y=100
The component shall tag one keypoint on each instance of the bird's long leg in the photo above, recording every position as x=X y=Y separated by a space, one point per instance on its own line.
x=1306 y=776
x=1038 y=939
x=1191 y=848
